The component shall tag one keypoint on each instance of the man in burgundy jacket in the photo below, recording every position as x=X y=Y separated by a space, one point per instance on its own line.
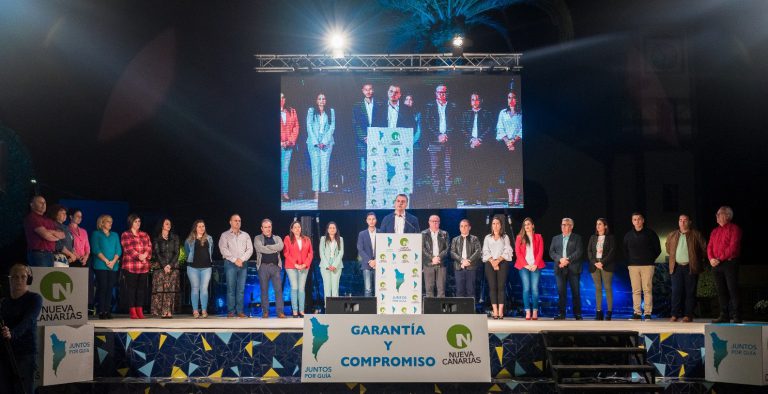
x=723 y=252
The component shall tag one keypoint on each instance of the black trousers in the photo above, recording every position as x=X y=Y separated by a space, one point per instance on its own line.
x=683 y=291
x=135 y=287
x=497 y=282
x=572 y=279
x=726 y=282
x=105 y=283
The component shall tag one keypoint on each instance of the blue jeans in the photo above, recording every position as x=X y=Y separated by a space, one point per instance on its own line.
x=298 y=279
x=235 y=286
x=198 y=286
x=36 y=258
x=285 y=164
x=530 y=288
x=683 y=291
x=368 y=278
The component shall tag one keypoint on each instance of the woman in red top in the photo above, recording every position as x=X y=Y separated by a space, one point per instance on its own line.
x=529 y=249
x=298 y=257
x=137 y=249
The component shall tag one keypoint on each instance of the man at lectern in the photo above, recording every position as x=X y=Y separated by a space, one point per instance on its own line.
x=394 y=114
x=400 y=222
x=434 y=250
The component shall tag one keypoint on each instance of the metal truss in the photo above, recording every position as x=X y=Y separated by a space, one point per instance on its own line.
x=397 y=62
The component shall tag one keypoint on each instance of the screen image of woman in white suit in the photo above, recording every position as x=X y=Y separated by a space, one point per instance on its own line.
x=321 y=124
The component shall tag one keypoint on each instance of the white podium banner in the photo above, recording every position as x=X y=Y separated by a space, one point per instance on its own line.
x=736 y=353
x=376 y=348
x=65 y=295
x=389 y=168
x=398 y=274
x=67 y=354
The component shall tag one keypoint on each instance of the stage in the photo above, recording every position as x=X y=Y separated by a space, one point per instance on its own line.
x=247 y=348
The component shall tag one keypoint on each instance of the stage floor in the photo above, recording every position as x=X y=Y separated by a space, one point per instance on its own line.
x=508 y=325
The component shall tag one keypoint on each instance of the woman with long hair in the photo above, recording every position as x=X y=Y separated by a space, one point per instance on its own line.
x=331 y=264
x=137 y=250
x=497 y=253
x=321 y=124
x=82 y=248
x=199 y=248
x=601 y=251
x=298 y=257
x=529 y=248
x=105 y=259
x=165 y=270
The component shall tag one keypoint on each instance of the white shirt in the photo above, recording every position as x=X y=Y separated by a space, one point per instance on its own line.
x=298 y=242
x=435 y=244
x=399 y=224
x=369 y=110
x=474 y=124
x=282 y=115
x=323 y=121
x=529 y=255
x=441 y=111
x=599 y=246
x=392 y=113
x=372 y=234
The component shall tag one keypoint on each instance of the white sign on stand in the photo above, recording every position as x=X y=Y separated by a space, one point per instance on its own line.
x=67 y=354
x=389 y=166
x=736 y=353
x=402 y=348
x=65 y=295
x=398 y=274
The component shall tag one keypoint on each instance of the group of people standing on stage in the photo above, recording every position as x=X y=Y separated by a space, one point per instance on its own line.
x=50 y=243
x=441 y=131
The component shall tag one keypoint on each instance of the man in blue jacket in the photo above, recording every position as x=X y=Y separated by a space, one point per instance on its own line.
x=366 y=249
x=400 y=222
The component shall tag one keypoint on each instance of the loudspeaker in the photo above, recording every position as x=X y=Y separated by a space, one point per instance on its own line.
x=347 y=305
x=455 y=305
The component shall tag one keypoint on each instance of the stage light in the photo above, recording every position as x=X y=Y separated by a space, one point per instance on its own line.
x=337 y=42
x=458 y=41
x=458 y=45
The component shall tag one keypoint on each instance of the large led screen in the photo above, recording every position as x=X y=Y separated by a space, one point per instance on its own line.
x=356 y=141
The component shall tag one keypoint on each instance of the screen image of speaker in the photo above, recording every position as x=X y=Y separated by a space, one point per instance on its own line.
x=458 y=305
x=347 y=305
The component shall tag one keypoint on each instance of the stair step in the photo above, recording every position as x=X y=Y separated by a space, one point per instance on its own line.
x=588 y=349
x=611 y=387
x=589 y=333
x=603 y=368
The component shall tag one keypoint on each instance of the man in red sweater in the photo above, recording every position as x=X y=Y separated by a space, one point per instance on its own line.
x=723 y=252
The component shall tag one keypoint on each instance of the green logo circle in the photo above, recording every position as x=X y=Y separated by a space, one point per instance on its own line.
x=56 y=286
x=383 y=284
x=459 y=336
x=395 y=136
x=403 y=241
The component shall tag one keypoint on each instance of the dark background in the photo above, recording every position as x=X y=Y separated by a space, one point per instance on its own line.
x=655 y=106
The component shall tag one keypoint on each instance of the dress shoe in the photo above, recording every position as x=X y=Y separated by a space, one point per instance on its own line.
x=109 y=315
x=599 y=315
x=673 y=319
x=647 y=318
x=295 y=316
x=265 y=315
x=241 y=315
x=635 y=316
x=535 y=315
x=230 y=315
x=608 y=315
x=102 y=316
x=559 y=317
x=281 y=315
x=578 y=317
x=737 y=320
x=686 y=319
x=721 y=319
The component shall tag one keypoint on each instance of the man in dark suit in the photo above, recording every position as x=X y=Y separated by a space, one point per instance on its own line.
x=366 y=249
x=393 y=114
x=364 y=115
x=466 y=252
x=440 y=136
x=434 y=249
x=475 y=150
x=566 y=251
x=400 y=222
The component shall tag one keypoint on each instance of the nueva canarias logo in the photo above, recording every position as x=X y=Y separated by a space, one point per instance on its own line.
x=56 y=286
x=459 y=336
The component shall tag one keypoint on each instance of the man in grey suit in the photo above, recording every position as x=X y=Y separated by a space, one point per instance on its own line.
x=566 y=251
x=466 y=252
x=434 y=249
